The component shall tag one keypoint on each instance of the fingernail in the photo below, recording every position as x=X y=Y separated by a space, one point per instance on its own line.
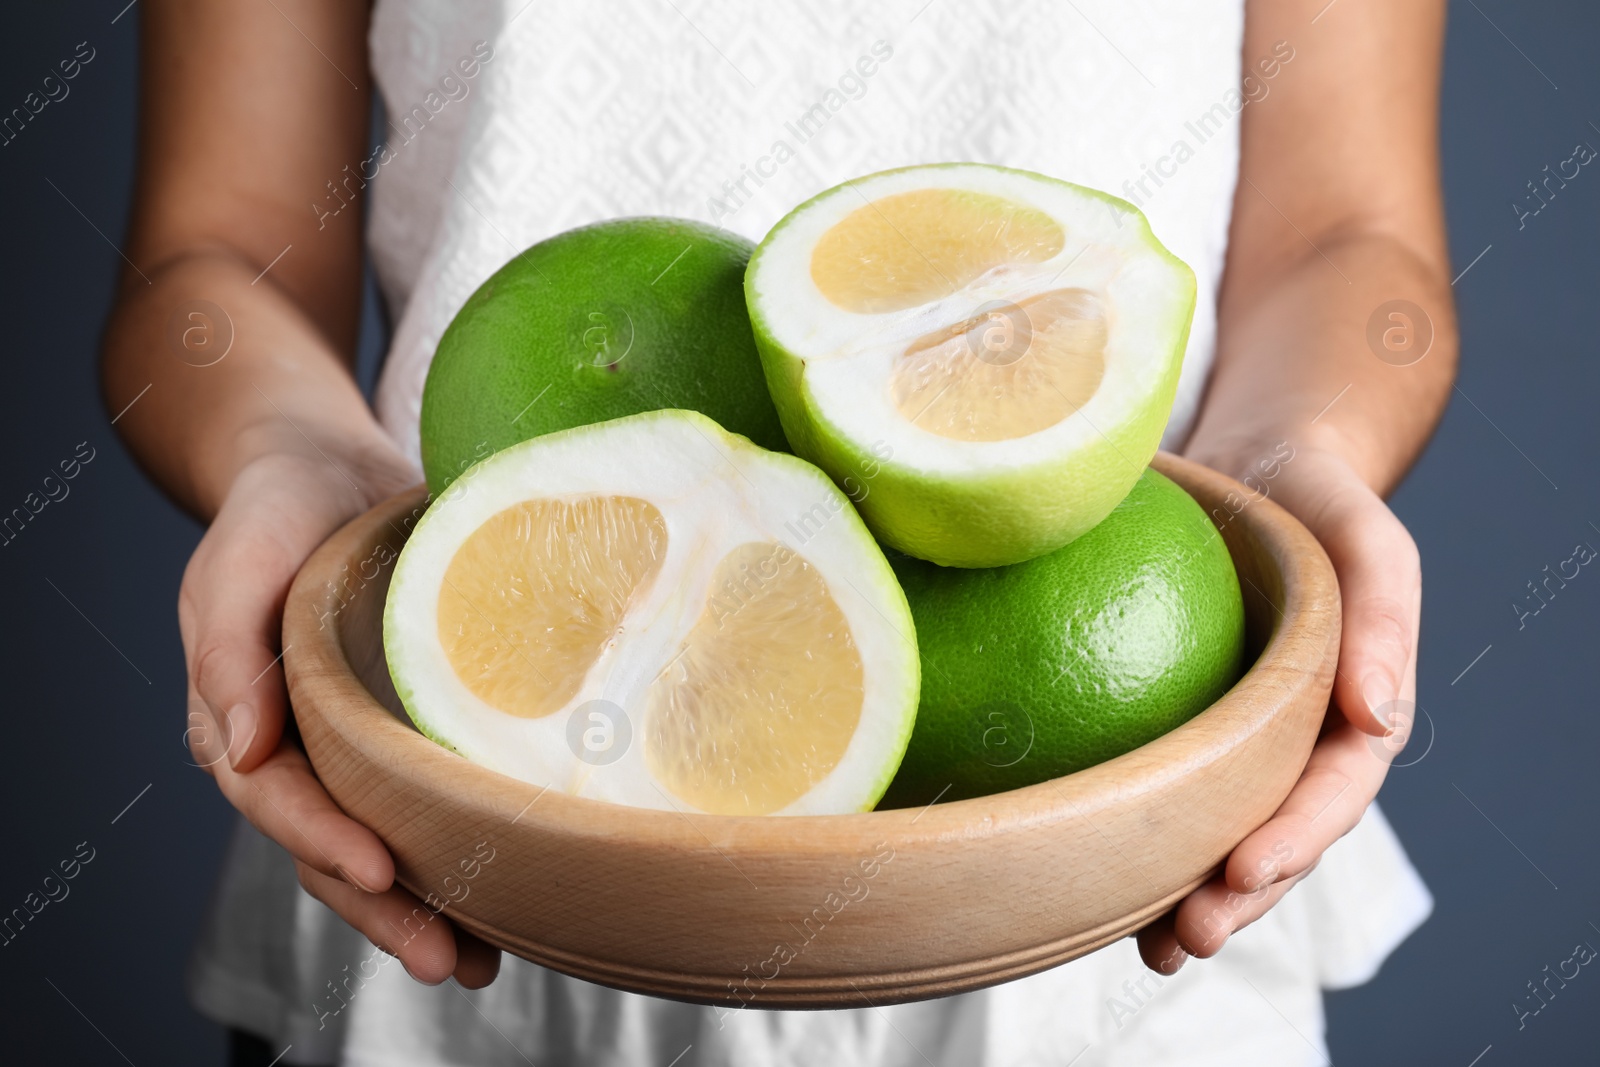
x=1378 y=692
x=347 y=876
x=241 y=730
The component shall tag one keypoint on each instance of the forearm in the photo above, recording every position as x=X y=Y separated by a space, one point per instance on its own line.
x=281 y=387
x=1294 y=362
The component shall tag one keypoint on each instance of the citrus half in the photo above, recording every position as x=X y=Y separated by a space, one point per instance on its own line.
x=990 y=355
x=653 y=611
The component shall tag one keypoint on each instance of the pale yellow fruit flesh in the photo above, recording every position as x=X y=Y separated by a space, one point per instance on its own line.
x=533 y=596
x=1003 y=371
x=756 y=706
x=1008 y=372
x=765 y=694
x=904 y=250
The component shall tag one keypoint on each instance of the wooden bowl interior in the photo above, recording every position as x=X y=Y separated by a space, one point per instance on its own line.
x=690 y=906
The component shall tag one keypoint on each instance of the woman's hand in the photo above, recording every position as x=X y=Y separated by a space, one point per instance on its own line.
x=263 y=433
x=279 y=508
x=1337 y=222
x=1380 y=583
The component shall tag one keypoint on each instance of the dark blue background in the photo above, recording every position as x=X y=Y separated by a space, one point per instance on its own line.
x=93 y=673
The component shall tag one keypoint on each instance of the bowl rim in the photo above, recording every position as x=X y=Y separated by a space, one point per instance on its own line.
x=315 y=654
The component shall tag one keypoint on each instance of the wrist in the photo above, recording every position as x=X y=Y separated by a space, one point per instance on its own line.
x=1254 y=452
x=336 y=485
x=353 y=460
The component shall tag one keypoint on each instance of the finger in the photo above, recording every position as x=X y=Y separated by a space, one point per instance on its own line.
x=1380 y=586
x=231 y=678
x=1211 y=914
x=1338 y=783
x=203 y=735
x=394 y=920
x=477 y=961
x=284 y=800
x=1158 y=945
x=231 y=609
x=235 y=664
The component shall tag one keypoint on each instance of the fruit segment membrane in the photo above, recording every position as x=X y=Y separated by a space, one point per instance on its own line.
x=756 y=703
x=1001 y=371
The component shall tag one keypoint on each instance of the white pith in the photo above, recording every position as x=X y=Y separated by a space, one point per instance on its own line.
x=715 y=492
x=850 y=356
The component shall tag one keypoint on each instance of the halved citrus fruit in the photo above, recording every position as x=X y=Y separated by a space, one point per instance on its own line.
x=653 y=611
x=985 y=357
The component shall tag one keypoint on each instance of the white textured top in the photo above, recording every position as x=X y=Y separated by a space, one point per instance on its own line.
x=511 y=120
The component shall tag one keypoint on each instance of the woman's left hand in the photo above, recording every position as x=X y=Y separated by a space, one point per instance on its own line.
x=1380 y=584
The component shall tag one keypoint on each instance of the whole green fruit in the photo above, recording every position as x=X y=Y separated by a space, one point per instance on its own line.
x=608 y=320
x=1039 y=669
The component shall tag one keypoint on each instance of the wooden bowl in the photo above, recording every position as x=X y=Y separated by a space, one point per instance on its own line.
x=817 y=911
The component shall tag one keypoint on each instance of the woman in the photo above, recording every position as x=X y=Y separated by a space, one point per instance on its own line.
x=1285 y=150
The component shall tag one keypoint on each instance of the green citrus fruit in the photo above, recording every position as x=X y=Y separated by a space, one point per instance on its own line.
x=621 y=317
x=1042 y=668
x=990 y=347
x=620 y=612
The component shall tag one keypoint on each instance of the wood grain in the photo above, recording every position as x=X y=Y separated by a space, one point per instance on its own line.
x=817 y=911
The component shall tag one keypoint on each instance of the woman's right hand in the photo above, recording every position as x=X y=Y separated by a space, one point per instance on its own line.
x=278 y=509
x=255 y=420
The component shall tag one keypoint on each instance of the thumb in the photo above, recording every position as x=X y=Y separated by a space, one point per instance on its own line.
x=230 y=608
x=230 y=675
x=1380 y=585
x=235 y=587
